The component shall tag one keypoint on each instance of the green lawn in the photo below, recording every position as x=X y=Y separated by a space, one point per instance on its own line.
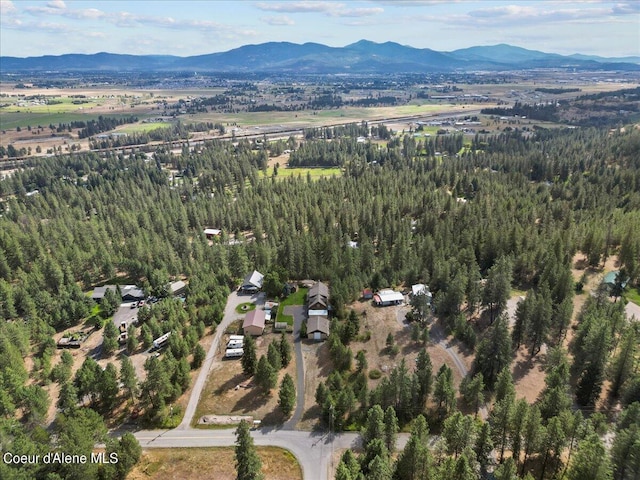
x=296 y=298
x=245 y=307
x=633 y=295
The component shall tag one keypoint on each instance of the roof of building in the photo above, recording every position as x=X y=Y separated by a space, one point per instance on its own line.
x=176 y=286
x=612 y=277
x=253 y=279
x=212 y=231
x=255 y=318
x=319 y=312
x=420 y=289
x=99 y=292
x=132 y=291
x=317 y=323
x=388 y=295
x=319 y=288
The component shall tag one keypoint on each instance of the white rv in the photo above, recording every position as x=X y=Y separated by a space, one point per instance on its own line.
x=233 y=353
x=235 y=344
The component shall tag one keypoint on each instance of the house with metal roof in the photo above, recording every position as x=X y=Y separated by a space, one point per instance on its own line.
x=254 y=322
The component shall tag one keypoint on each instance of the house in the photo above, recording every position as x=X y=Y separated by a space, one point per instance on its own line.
x=252 y=282
x=318 y=296
x=212 y=232
x=131 y=293
x=99 y=292
x=176 y=288
x=254 y=322
x=367 y=294
x=317 y=327
x=387 y=297
x=421 y=289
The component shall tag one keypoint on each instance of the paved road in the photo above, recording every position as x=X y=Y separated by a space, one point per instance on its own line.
x=230 y=315
x=299 y=315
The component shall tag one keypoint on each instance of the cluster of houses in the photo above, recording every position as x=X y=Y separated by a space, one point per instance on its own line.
x=318 y=311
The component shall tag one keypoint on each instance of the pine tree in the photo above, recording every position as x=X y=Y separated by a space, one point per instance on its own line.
x=591 y=461
x=285 y=350
x=273 y=355
x=199 y=354
x=266 y=377
x=494 y=352
x=110 y=338
x=374 y=426
x=444 y=393
x=128 y=378
x=248 y=463
x=390 y=428
x=287 y=395
x=415 y=462
x=249 y=358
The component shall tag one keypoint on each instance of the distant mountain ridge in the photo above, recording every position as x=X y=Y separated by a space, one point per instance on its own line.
x=364 y=57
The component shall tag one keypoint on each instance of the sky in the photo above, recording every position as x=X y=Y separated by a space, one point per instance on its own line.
x=184 y=28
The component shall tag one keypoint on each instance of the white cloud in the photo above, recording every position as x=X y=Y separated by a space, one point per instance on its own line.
x=59 y=4
x=7 y=7
x=280 y=20
x=300 y=7
x=332 y=9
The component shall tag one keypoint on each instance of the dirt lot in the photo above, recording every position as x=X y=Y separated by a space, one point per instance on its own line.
x=229 y=392
x=199 y=464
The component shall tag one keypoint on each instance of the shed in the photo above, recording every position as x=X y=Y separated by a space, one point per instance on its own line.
x=252 y=282
x=421 y=289
x=254 y=322
x=388 y=297
x=176 y=288
x=367 y=294
x=317 y=327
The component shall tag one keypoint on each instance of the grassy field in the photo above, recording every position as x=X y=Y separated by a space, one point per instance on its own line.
x=10 y=120
x=296 y=298
x=208 y=463
x=314 y=173
x=633 y=295
x=142 y=127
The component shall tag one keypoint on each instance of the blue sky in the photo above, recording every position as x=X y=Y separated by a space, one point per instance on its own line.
x=33 y=28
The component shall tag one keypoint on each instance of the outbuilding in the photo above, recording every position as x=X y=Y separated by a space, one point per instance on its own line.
x=254 y=322
x=317 y=327
x=387 y=297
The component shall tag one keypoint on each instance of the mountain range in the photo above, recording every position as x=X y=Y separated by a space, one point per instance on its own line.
x=363 y=57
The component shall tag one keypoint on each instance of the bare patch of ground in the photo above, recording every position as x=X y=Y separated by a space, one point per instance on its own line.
x=211 y=463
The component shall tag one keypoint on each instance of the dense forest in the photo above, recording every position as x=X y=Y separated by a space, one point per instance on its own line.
x=512 y=210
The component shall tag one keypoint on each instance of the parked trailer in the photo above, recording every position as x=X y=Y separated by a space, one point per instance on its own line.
x=234 y=344
x=233 y=353
x=161 y=341
x=236 y=338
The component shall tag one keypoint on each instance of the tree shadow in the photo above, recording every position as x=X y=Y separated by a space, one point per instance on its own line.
x=231 y=383
x=251 y=401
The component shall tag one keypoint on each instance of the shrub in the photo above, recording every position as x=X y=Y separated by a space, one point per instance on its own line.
x=375 y=374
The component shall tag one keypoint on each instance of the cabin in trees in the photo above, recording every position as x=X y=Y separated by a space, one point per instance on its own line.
x=317 y=327
x=254 y=323
x=212 y=233
x=612 y=278
x=128 y=293
x=177 y=288
x=387 y=297
x=252 y=282
x=421 y=289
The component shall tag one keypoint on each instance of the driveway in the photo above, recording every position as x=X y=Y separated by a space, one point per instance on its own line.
x=632 y=310
x=299 y=313
x=230 y=315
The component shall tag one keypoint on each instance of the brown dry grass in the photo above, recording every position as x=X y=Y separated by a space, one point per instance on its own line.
x=211 y=463
x=221 y=397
